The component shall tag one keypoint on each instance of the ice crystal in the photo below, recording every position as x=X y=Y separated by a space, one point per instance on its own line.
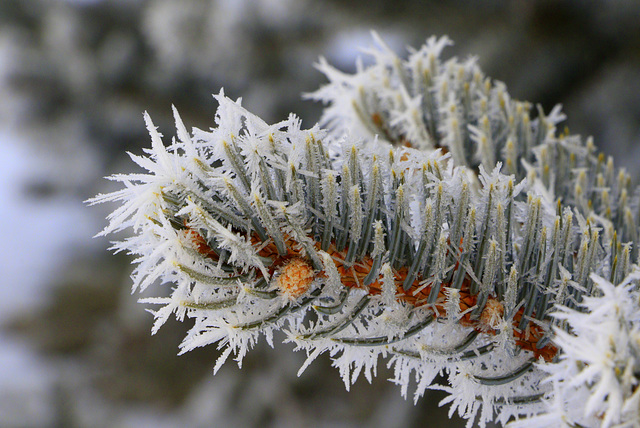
x=436 y=223
x=595 y=379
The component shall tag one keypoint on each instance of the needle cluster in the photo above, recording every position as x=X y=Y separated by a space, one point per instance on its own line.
x=429 y=220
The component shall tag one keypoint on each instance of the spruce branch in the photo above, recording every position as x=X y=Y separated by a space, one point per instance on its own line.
x=453 y=230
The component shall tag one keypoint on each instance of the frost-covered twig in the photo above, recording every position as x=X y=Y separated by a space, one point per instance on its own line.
x=434 y=224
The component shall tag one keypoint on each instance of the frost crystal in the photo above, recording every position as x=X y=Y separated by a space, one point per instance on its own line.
x=452 y=231
x=595 y=380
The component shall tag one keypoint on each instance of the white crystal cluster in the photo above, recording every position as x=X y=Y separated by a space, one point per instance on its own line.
x=595 y=380
x=434 y=223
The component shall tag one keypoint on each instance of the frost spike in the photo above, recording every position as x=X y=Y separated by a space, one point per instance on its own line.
x=377 y=253
x=329 y=203
x=372 y=206
x=269 y=223
x=426 y=242
x=234 y=158
x=467 y=248
x=396 y=232
x=438 y=270
x=245 y=206
x=355 y=227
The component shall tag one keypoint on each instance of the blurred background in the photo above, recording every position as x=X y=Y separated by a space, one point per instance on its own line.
x=75 y=77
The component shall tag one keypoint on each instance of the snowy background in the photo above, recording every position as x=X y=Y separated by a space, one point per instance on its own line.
x=75 y=77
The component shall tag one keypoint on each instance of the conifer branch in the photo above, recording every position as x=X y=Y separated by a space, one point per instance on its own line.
x=454 y=230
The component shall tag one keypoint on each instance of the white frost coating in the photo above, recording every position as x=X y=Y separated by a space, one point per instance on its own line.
x=595 y=381
x=438 y=263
